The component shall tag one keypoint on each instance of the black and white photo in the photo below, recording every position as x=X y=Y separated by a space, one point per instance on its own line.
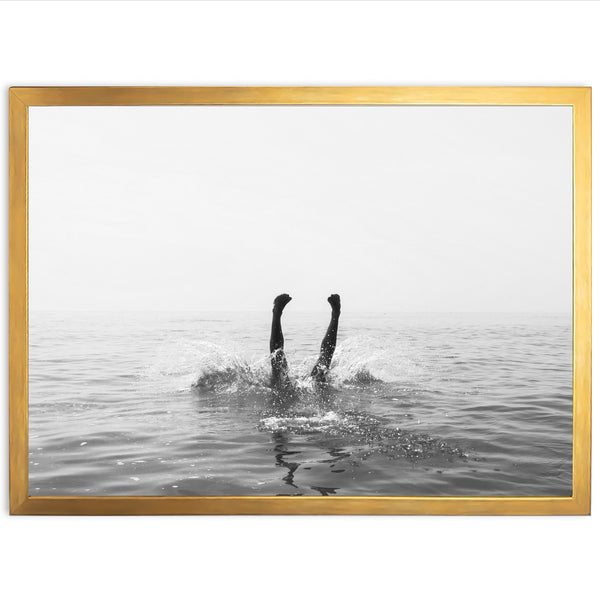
x=300 y=300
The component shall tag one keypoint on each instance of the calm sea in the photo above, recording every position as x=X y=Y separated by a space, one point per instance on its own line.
x=419 y=404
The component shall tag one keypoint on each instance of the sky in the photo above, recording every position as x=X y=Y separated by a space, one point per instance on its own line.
x=399 y=208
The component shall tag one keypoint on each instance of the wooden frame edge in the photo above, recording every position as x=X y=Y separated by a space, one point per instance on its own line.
x=20 y=98
x=582 y=296
x=17 y=303
x=357 y=95
x=309 y=505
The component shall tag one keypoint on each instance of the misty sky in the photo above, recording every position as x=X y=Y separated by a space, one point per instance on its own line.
x=205 y=208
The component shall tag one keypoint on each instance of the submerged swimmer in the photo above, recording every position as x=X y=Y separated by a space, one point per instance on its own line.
x=279 y=367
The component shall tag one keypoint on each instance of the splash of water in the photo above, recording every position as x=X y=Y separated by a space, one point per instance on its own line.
x=358 y=361
x=205 y=366
x=363 y=360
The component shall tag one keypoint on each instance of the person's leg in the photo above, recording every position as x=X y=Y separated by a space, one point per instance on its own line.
x=329 y=341
x=279 y=366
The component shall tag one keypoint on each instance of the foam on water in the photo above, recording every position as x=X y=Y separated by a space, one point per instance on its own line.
x=301 y=424
x=366 y=432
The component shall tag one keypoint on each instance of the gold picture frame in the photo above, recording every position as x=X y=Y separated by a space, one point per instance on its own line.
x=21 y=98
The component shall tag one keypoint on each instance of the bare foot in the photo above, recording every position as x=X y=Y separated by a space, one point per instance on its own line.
x=336 y=305
x=280 y=302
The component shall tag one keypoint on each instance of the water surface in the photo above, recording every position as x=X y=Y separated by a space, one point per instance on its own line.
x=418 y=404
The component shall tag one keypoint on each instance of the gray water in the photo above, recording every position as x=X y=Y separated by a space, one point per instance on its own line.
x=418 y=404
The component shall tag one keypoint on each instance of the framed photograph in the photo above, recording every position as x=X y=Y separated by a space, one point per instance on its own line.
x=353 y=300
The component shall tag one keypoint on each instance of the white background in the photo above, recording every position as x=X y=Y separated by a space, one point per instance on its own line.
x=336 y=43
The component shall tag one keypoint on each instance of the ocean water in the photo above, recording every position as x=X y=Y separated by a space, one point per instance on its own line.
x=417 y=404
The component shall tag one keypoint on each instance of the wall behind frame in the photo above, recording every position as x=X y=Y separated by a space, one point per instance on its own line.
x=312 y=43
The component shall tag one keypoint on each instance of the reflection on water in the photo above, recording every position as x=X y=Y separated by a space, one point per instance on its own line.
x=179 y=404
x=344 y=440
x=281 y=459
